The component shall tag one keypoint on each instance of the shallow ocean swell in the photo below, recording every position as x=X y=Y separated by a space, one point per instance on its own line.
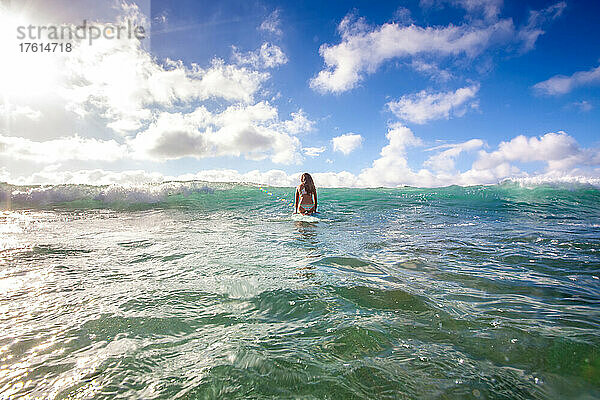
x=202 y=290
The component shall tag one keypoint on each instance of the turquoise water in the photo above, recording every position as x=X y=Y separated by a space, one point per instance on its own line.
x=200 y=290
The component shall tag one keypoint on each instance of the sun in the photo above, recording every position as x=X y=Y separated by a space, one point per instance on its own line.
x=25 y=74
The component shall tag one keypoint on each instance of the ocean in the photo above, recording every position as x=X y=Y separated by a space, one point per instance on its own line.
x=193 y=290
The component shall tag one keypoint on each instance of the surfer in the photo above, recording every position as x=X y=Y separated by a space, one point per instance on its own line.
x=306 y=196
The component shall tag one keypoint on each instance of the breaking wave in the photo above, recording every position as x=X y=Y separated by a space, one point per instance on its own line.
x=192 y=193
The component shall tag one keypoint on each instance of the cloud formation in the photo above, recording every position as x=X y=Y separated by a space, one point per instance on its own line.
x=313 y=151
x=267 y=56
x=253 y=131
x=391 y=167
x=564 y=160
x=272 y=23
x=62 y=149
x=16 y=112
x=347 y=142
x=431 y=70
x=561 y=84
x=444 y=160
x=363 y=49
x=560 y=151
x=132 y=106
x=122 y=83
x=425 y=106
x=530 y=33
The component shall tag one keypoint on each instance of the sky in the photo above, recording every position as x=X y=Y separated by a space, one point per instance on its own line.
x=422 y=93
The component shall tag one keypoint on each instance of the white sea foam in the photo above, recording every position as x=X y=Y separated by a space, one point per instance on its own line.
x=128 y=194
x=562 y=180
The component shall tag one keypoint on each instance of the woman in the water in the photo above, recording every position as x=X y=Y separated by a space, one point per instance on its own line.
x=306 y=196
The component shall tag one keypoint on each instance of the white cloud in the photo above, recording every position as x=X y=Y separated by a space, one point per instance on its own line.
x=444 y=160
x=403 y=16
x=299 y=123
x=425 y=106
x=170 y=110
x=252 y=131
x=89 y=177
x=550 y=147
x=347 y=143
x=14 y=112
x=565 y=161
x=117 y=83
x=391 y=168
x=431 y=70
x=272 y=23
x=122 y=82
x=268 y=56
x=363 y=49
x=125 y=125
x=163 y=110
x=490 y=8
x=313 y=151
x=561 y=84
x=529 y=34
x=66 y=148
x=489 y=11
x=559 y=150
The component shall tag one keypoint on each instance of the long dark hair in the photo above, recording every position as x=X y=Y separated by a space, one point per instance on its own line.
x=309 y=184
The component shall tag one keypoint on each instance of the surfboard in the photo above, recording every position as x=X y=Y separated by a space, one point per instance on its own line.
x=306 y=218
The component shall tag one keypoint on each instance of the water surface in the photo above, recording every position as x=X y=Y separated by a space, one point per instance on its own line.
x=199 y=290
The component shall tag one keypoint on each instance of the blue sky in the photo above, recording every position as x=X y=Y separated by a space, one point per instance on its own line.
x=422 y=93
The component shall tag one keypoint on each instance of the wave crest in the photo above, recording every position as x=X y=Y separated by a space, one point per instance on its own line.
x=108 y=195
x=233 y=195
x=562 y=182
